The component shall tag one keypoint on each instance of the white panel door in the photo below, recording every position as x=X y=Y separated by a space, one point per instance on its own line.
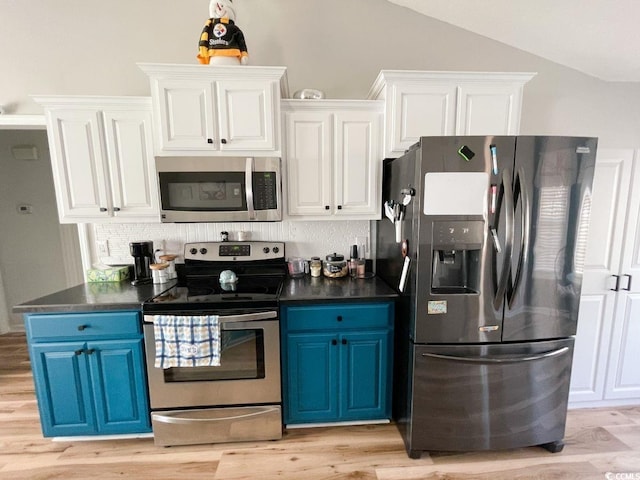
x=245 y=115
x=488 y=110
x=623 y=376
x=357 y=164
x=309 y=163
x=419 y=110
x=184 y=115
x=79 y=170
x=597 y=305
x=134 y=185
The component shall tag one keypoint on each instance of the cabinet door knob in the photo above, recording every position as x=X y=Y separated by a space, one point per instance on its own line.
x=102 y=209
x=223 y=140
x=326 y=207
x=339 y=318
x=339 y=207
x=116 y=209
x=78 y=352
x=209 y=140
x=344 y=341
x=81 y=327
x=90 y=351
x=334 y=342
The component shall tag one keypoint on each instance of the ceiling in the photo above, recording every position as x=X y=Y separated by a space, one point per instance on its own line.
x=597 y=37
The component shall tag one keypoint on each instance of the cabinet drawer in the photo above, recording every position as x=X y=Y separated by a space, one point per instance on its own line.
x=343 y=316
x=83 y=325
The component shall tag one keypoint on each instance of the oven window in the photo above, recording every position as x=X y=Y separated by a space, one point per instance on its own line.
x=203 y=191
x=241 y=357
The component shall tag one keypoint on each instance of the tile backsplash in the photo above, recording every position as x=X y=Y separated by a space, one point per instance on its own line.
x=303 y=239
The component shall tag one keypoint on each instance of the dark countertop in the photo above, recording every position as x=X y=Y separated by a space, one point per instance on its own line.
x=321 y=289
x=124 y=296
x=94 y=297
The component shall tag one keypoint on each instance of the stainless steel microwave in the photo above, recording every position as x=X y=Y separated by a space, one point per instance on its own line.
x=220 y=189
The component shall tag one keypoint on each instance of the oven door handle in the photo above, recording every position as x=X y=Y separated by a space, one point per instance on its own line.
x=245 y=317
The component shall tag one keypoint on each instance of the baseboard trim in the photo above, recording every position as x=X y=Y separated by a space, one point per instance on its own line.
x=92 y=438
x=338 y=424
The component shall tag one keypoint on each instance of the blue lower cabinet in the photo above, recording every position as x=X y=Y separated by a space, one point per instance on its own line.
x=93 y=386
x=337 y=362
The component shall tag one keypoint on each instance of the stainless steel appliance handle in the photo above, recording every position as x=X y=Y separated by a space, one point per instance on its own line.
x=508 y=243
x=186 y=420
x=248 y=180
x=245 y=317
x=501 y=360
x=525 y=241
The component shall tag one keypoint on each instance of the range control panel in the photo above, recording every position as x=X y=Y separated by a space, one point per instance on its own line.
x=233 y=251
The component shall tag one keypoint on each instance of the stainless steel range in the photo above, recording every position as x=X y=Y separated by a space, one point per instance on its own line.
x=240 y=399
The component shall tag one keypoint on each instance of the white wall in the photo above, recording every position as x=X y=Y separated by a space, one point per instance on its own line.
x=31 y=258
x=91 y=47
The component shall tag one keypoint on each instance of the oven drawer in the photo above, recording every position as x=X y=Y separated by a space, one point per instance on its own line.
x=216 y=425
x=342 y=316
x=83 y=326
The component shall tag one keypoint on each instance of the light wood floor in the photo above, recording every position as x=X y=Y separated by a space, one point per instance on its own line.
x=597 y=441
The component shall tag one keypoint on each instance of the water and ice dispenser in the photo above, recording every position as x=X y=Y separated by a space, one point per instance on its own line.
x=456 y=255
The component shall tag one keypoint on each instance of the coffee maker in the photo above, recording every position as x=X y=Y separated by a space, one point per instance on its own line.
x=142 y=253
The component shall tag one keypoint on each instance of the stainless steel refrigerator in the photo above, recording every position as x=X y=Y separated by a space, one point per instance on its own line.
x=485 y=239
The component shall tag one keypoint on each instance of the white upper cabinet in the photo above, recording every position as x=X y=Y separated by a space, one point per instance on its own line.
x=216 y=110
x=102 y=158
x=333 y=159
x=421 y=103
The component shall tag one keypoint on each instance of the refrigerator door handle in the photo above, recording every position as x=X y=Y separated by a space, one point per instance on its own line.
x=508 y=242
x=500 y=360
x=525 y=241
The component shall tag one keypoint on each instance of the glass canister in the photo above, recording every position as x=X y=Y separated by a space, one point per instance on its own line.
x=335 y=266
x=159 y=272
x=315 y=266
x=170 y=260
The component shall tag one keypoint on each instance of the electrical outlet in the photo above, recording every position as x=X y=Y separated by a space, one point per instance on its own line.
x=363 y=241
x=103 y=248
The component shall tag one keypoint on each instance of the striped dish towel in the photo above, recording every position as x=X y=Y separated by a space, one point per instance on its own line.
x=187 y=341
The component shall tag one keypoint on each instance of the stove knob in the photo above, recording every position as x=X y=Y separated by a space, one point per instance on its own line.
x=276 y=249
x=203 y=251
x=265 y=249
x=193 y=251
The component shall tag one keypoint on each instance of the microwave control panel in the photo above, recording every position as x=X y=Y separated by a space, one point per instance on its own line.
x=265 y=190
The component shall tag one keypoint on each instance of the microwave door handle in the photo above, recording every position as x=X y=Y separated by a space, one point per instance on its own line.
x=248 y=180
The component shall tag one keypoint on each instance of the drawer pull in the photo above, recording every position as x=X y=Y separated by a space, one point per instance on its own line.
x=339 y=318
x=78 y=352
x=344 y=341
x=81 y=327
x=334 y=342
x=90 y=351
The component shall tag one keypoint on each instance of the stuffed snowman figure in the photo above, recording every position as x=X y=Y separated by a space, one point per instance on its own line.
x=222 y=42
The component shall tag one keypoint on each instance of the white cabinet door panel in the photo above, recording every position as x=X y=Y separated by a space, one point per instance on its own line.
x=357 y=165
x=309 y=163
x=591 y=348
x=487 y=110
x=78 y=164
x=245 y=112
x=419 y=110
x=624 y=372
x=132 y=169
x=186 y=109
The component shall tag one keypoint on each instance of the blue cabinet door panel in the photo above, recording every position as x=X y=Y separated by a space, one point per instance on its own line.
x=364 y=370
x=63 y=389
x=119 y=386
x=312 y=378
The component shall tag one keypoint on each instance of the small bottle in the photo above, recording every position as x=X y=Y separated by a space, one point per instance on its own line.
x=353 y=261
x=315 y=266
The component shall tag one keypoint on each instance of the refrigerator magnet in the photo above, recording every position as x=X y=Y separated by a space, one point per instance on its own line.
x=466 y=153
